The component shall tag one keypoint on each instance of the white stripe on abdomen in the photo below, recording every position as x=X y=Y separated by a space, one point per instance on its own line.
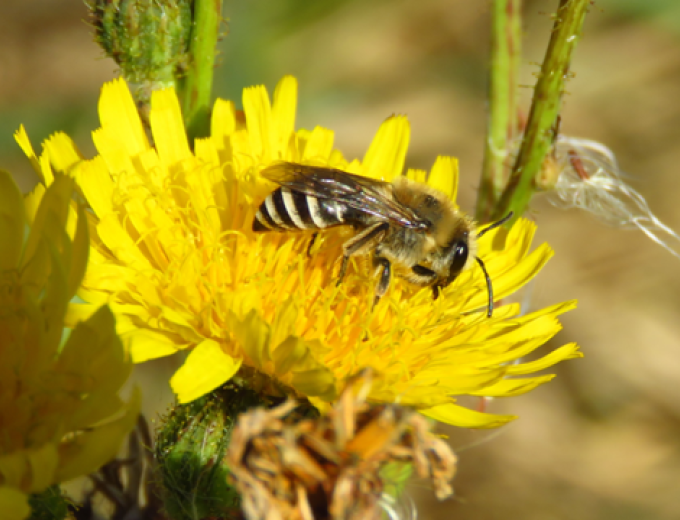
x=315 y=211
x=292 y=209
x=271 y=209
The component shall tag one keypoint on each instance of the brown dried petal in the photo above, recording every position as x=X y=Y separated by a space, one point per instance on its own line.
x=329 y=467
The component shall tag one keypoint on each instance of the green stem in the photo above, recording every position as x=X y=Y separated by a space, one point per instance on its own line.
x=506 y=40
x=545 y=107
x=196 y=86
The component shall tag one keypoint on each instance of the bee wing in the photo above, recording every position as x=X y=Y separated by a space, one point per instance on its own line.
x=361 y=193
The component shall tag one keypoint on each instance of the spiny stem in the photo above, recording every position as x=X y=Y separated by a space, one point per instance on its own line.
x=545 y=108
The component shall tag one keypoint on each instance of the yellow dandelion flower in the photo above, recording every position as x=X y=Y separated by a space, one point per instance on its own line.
x=174 y=255
x=54 y=398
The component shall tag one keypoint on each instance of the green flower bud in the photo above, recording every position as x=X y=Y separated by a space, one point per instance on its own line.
x=148 y=39
x=190 y=449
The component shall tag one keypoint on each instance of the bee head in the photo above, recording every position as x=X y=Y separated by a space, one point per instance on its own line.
x=457 y=258
x=457 y=254
x=449 y=261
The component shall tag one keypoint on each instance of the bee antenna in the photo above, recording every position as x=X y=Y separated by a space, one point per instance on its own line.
x=489 y=288
x=489 y=312
x=496 y=224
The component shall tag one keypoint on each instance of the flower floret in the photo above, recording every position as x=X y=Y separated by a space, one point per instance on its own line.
x=174 y=255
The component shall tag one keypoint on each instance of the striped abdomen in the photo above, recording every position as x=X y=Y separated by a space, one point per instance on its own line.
x=286 y=210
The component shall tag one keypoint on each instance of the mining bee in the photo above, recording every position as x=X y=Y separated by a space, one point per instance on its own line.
x=411 y=229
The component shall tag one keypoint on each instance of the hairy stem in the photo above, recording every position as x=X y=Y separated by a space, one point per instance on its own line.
x=545 y=107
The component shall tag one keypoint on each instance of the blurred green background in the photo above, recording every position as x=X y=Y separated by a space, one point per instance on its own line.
x=602 y=440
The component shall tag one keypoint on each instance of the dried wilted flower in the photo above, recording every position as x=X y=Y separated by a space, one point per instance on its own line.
x=287 y=467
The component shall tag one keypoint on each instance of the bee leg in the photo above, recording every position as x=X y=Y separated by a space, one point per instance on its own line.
x=384 y=281
x=362 y=243
x=343 y=269
x=311 y=244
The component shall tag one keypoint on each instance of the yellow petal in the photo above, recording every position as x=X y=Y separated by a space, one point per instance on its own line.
x=319 y=382
x=52 y=213
x=462 y=380
x=253 y=335
x=119 y=114
x=46 y=172
x=444 y=176
x=466 y=418
x=43 y=462
x=32 y=201
x=46 y=257
x=167 y=126
x=79 y=254
x=62 y=152
x=386 y=156
x=13 y=504
x=417 y=175
x=222 y=123
x=12 y=222
x=318 y=146
x=554 y=310
x=259 y=119
x=95 y=181
x=24 y=142
x=14 y=468
x=93 y=348
x=284 y=109
x=206 y=151
x=113 y=151
x=284 y=323
x=507 y=283
x=569 y=351
x=512 y=387
x=205 y=368
x=78 y=312
x=146 y=344
x=94 y=447
x=288 y=353
x=115 y=236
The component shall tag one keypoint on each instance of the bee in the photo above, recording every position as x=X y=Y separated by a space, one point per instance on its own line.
x=411 y=229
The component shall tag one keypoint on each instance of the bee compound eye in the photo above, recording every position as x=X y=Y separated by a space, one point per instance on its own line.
x=458 y=258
